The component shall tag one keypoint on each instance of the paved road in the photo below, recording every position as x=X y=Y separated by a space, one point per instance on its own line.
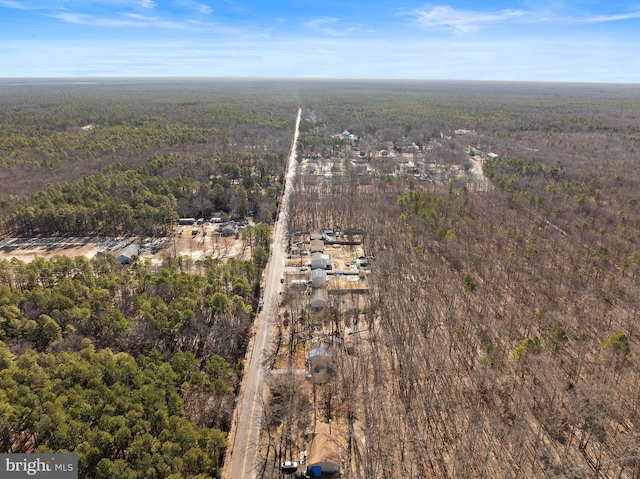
x=249 y=410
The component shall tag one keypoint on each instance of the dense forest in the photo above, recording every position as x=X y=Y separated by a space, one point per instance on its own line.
x=134 y=368
x=149 y=200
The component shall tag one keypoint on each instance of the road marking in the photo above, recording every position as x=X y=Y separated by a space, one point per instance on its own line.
x=255 y=394
x=271 y=276
x=253 y=408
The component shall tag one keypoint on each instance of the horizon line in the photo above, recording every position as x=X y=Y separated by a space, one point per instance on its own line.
x=300 y=78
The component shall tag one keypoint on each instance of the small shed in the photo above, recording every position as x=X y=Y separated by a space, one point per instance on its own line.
x=323 y=450
x=317 y=246
x=362 y=262
x=319 y=299
x=318 y=278
x=125 y=255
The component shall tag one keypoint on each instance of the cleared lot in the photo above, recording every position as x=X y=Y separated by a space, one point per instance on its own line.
x=205 y=244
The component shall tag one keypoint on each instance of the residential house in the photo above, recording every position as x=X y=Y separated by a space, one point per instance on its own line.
x=317 y=246
x=320 y=364
x=320 y=261
x=315 y=234
x=319 y=299
x=318 y=278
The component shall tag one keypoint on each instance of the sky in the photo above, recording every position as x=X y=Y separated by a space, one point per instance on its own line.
x=583 y=41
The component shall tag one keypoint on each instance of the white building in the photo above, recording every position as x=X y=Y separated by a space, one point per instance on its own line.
x=320 y=261
x=319 y=299
x=319 y=278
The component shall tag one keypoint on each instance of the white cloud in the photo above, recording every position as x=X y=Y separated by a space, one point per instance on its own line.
x=198 y=7
x=204 y=9
x=12 y=4
x=61 y=4
x=331 y=27
x=31 y=4
x=443 y=17
x=75 y=5
x=323 y=25
x=460 y=21
x=130 y=20
x=234 y=6
x=612 y=18
x=157 y=19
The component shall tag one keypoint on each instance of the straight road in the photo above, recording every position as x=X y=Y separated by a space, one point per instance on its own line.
x=249 y=409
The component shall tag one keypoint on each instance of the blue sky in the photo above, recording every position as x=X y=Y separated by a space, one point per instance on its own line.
x=590 y=41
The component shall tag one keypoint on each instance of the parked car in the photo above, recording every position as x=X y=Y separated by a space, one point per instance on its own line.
x=260 y=306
